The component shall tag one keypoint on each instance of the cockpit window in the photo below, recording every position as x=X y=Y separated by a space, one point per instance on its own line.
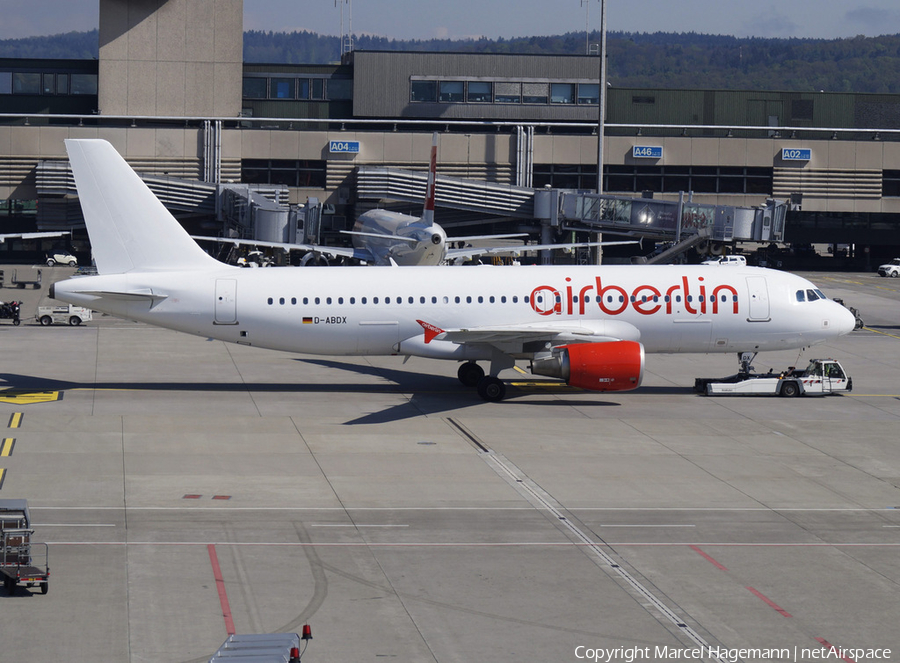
x=801 y=296
x=821 y=294
x=811 y=295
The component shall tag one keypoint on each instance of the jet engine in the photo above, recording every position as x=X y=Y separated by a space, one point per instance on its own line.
x=610 y=366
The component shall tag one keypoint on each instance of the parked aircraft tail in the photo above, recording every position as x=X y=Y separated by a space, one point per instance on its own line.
x=428 y=212
x=130 y=230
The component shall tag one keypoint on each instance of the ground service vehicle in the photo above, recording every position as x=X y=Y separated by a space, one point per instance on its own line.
x=17 y=563
x=740 y=261
x=10 y=311
x=64 y=314
x=891 y=269
x=822 y=376
x=62 y=258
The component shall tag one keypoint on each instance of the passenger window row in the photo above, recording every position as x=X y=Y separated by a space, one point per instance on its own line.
x=306 y=301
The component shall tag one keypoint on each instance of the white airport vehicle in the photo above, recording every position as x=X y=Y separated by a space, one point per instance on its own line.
x=891 y=269
x=821 y=377
x=739 y=261
x=64 y=314
x=588 y=325
x=382 y=237
x=62 y=258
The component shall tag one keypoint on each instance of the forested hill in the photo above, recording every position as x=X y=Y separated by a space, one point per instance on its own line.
x=658 y=60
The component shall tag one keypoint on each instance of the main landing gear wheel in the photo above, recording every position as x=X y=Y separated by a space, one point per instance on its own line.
x=491 y=389
x=470 y=374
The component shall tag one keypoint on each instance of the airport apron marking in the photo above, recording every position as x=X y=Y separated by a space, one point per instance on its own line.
x=18 y=397
x=2 y=477
x=15 y=420
x=6 y=448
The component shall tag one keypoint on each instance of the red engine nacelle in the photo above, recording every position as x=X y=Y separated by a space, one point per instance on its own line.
x=612 y=366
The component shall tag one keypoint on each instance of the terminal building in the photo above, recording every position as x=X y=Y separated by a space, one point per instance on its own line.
x=170 y=91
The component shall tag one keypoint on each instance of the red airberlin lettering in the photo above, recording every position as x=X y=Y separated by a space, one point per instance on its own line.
x=613 y=299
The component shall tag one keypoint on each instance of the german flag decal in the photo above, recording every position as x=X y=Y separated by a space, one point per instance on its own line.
x=307 y=321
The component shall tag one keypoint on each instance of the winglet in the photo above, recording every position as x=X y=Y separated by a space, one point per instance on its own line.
x=428 y=212
x=430 y=330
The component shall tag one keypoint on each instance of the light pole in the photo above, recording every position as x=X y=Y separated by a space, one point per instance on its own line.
x=601 y=120
x=601 y=97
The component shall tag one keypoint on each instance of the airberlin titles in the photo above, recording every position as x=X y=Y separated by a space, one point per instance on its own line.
x=645 y=299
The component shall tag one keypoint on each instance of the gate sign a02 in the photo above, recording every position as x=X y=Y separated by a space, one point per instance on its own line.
x=795 y=154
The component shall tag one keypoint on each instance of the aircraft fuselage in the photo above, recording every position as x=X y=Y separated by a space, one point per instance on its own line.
x=378 y=311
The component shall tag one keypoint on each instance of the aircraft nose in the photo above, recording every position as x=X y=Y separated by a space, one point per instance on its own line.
x=845 y=321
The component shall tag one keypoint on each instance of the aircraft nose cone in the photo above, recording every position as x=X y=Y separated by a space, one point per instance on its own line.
x=845 y=321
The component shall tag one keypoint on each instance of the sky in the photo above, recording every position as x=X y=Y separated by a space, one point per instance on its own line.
x=460 y=19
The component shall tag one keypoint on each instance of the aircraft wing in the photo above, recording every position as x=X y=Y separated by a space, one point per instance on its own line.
x=7 y=236
x=394 y=238
x=472 y=238
x=586 y=331
x=518 y=249
x=333 y=251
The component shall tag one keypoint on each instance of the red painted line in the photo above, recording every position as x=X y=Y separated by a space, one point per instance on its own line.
x=709 y=558
x=769 y=602
x=220 y=587
x=832 y=649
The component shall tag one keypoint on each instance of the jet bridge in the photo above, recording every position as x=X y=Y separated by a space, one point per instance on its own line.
x=662 y=220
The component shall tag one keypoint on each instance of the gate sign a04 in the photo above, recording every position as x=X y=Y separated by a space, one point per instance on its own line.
x=343 y=147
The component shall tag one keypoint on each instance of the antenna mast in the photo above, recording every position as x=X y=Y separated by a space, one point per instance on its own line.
x=346 y=37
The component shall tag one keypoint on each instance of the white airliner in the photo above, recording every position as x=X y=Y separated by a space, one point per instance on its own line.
x=588 y=325
x=383 y=237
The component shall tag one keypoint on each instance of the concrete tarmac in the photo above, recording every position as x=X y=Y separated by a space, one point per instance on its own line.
x=190 y=488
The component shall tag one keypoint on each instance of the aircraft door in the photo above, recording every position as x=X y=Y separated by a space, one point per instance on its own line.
x=226 y=302
x=759 y=299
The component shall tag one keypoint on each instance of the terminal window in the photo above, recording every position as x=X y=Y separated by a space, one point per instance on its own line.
x=700 y=179
x=890 y=183
x=84 y=84
x=305 y=173
x=451 y=91
x=420 y=91
x=282 y=88
x=562 y=93
x=588 y=93
x=479 y=92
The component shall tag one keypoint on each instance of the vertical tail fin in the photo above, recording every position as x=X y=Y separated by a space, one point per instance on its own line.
x=130 y=230
x=428 y=212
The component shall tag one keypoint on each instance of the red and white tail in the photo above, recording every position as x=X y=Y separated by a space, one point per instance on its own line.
x=428 y=212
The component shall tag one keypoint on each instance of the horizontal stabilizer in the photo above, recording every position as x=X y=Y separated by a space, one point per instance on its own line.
x=124 y=295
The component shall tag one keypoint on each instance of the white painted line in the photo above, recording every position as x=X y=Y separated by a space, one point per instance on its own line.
x=647 y=525
x=73 y=525
x=350 y=525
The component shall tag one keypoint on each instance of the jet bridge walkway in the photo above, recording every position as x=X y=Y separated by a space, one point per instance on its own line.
x=581 y=211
